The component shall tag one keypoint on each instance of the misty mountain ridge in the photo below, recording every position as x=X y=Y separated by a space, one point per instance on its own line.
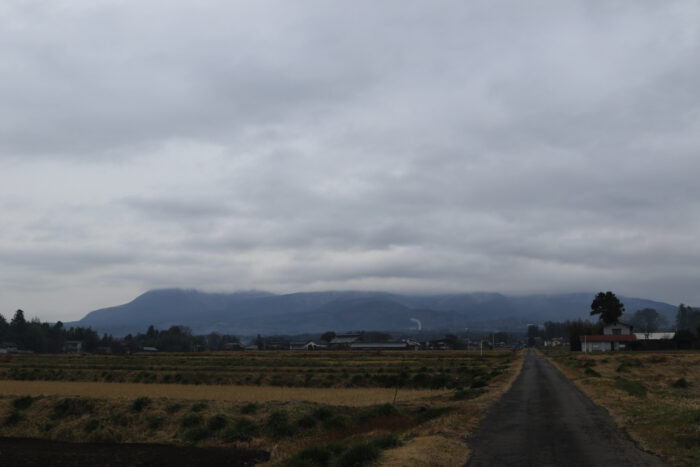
x=253 y=312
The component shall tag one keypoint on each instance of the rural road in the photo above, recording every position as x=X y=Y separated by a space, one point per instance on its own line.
x=544 y=420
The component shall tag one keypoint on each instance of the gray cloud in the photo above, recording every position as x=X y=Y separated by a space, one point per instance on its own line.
x=392 y=146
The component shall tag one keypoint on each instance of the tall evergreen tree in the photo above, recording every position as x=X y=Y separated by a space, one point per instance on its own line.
x=607 y=306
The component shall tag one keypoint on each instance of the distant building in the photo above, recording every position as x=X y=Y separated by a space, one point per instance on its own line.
x=233 y=346
x=438 y=344
x=616 y=336
x=306 y=345
x=72 y=346
x=406 y=344
x=654 y=336
x=8 y=347
x=343 y=341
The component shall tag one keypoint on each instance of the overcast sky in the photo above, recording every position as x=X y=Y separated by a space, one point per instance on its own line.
x=516 y=147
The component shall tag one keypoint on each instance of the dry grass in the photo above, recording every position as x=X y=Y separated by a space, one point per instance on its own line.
x=352 y=397
x=638 y=390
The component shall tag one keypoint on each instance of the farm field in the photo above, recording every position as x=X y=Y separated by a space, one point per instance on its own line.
x=654 y=396
x=407 y=407
x=420 y=370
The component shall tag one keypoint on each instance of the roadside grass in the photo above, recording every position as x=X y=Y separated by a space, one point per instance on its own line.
x=654 y=396
x=355 y=425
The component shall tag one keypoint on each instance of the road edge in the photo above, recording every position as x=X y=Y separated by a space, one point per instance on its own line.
x=617 y=417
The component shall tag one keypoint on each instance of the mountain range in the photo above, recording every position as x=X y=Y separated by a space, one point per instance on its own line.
x=250 y=313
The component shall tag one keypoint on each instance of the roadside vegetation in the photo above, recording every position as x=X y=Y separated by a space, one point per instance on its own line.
x=457 y=387
x=654 y=396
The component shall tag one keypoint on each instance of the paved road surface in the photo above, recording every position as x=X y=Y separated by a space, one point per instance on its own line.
x=544 y=420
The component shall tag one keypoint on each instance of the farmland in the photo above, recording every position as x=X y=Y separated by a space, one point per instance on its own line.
x=654 y=396
x=420 y=370
x=297 y=406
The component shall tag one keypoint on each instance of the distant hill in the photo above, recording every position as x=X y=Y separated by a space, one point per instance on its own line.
x=249 y=313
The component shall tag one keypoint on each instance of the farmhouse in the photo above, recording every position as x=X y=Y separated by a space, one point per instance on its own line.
x=616 y=336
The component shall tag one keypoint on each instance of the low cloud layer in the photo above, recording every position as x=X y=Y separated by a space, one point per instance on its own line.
x=386 y=146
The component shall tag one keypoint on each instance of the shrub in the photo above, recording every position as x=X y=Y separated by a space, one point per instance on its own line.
x=429 y=413
x=91 y=425
x=420 y=380
x=387 y=442
x=217 y=422
x=307 y=421
x=629 y=363
x=336 y=422
x=323 y=413
x=680 y=383
x=196 y=434
x=72 y=407
x=173 y=408
x=383 y=410
x=439 y=381
x=694 y=416
x=249 y=408
x=633 y=388
x=360 y=454
x=656 y=359
x=591 y=372
x=13 y=419
x=154 y=423
x=316 y=455
x=277 y=425
x=140 y=403
x=243 y=429
x=22 y=402
x=199 y=406
x=466 y=394
x=375 y=411
x=190 y=420
x=479 y=383
x=120 y=419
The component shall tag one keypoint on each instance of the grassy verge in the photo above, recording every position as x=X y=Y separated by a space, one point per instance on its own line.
x=654 y=396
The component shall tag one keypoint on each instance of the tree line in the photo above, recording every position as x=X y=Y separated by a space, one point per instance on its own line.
x=39 y=337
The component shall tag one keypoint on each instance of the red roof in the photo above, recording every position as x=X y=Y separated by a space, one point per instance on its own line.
x=609 y=338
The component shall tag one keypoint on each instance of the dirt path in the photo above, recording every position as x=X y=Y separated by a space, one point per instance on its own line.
x=24 y=452
x=544 y=420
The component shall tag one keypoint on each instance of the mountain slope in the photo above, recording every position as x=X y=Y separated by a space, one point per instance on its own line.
x=246 y=313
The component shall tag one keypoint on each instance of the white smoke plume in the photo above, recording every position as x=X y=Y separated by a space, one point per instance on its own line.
x=417 y=321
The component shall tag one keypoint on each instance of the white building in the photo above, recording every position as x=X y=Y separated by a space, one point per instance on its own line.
x=654 y=336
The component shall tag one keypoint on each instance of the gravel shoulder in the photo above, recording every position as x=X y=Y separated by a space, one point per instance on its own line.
x=544 y=420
